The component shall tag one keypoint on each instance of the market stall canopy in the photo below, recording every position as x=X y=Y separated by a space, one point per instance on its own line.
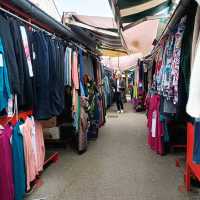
x=131 y=11
x=140 y=22
x=140 y=37
x=123 y=62
x=112 y=52
x=101 y=29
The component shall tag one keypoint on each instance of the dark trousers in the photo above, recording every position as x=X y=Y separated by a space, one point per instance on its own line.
x=119 y=101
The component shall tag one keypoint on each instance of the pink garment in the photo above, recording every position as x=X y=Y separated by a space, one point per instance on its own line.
x=75 y=77
x=39 y=146
x=6 y=170
x=155 y=142
x=74 y=100
x=30 y=159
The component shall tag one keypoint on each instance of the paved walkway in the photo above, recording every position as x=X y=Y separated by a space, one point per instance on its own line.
x=118 y=166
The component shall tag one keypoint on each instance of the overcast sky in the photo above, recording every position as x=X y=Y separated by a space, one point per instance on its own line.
x=86 y=7
x=82 y=7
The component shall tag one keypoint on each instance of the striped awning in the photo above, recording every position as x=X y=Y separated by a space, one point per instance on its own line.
x=129 y=11
x=102 y=30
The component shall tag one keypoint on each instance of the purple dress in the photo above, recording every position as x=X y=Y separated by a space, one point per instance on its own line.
x=6 y=171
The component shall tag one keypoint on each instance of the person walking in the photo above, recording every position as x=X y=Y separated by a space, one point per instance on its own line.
x=119 y=87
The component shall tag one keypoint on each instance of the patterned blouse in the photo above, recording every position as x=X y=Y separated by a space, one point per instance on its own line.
x=168 y=61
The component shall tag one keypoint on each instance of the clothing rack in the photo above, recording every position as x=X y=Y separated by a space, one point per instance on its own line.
x=49 y=32
x=192 y=169
x=31 y=12
x=52 y=157
x=43 y=30
x=175 y=18
x=9 y=9
x=27 y=22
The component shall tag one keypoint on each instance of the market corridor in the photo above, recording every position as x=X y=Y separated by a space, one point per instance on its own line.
x=118 y=166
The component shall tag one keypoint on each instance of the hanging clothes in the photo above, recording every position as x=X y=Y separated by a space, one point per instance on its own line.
x=185 y=62
x=41 y=108
x=49 y=80
x=56 y=76
x=76 y=114
x=155 y=127
x=21 y=157
x=193 y=108
x=88 y=66
x=11 y=57
x=26 y=50
x=176 y=57
x=5 y=92
x=82 y=144
x=53 y=77
x=81 y=63
x=166 y=76
x=40 y=147
x=75 y=76
x=68 y=67
x=196 y=148
x=166 y=69
x=82 y=89
x=195 y=35
x=24 y=63
x=107 y=92
x=74 y=100
x=6 y=165
x=29 y=152
x=19 y=170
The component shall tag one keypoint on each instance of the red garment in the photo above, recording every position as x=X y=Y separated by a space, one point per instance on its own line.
x=156 y=142
x=6 y=170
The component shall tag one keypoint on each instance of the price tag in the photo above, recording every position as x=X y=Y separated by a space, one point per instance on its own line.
x=34 y=55
x=153 y=128
x=1 y=127
x=1 y=60
x=10 y=107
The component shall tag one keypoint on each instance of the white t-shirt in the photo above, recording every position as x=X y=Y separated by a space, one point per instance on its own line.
x=118 y=86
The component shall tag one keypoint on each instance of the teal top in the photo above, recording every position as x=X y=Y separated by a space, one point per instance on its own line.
x=18 y=163
x=5 y=93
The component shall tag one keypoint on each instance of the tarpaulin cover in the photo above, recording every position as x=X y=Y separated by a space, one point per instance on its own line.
x=140 y=37
x=122 y=62
x=101 y=29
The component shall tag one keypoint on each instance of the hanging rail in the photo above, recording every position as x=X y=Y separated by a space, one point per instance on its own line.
x=175 y=18
x=37 y=18
x=23 y=20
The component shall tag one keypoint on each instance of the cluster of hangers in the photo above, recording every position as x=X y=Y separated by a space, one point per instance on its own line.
x=16 y=116
x=70 y=43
